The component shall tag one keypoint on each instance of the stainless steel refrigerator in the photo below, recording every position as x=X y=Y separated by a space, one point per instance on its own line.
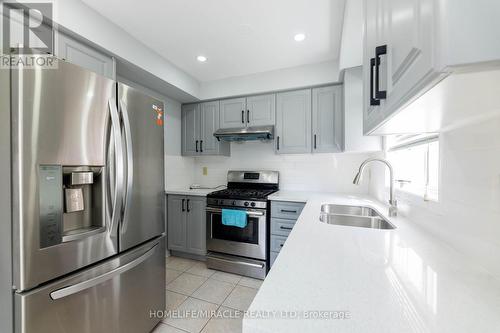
x=86 y=228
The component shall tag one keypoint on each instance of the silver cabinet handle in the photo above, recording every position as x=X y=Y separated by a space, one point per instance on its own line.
x=129 y=165
x=288 y=211
x=249 y=212
x=119 y=173
x=68 y=291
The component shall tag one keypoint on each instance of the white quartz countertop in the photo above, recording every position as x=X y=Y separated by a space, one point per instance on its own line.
x=401 y=280
x=188 y=191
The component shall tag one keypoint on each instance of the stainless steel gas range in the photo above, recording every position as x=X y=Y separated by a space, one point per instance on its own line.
x=241 y=250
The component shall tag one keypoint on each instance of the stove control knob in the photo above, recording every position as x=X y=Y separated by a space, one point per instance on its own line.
x=252 y=204
x=234 y=203
x=246 y=203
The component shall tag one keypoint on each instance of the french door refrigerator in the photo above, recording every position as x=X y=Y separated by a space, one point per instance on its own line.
x=87 y=202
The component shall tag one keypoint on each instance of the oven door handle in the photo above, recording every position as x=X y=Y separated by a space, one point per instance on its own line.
x=238 y=262
x=249 y=212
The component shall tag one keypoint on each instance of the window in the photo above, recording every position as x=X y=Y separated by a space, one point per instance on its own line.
x=415 y=159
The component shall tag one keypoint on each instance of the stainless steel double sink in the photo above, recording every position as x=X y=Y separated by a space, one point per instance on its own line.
x=353 y=216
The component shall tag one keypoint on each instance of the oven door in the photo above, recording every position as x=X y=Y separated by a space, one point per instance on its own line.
x=246 y=242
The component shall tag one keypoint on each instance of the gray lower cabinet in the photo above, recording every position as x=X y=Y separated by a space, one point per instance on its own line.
x=251 y=111
x=327 y=120
x=186 y=226
x=199 y=122
x=284 y=214
x=293 y=122
x=81 y=54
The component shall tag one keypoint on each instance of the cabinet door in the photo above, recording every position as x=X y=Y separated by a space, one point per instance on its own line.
x=261 y=110
x=327 y=119
x=374 y=36
x=233 y=113
x=196 y=226
x=209 y=145
x=78 y=53
x=293 y=122
x=409 y=37
x=190 y=129
x=176 y=222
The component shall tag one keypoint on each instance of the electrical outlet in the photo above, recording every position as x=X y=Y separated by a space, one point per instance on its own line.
x=205 y=171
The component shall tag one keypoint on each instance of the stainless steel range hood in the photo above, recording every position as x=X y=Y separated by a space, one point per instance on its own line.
x=245 y=134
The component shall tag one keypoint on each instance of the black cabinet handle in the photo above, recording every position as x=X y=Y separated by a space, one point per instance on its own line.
x=242 y=116
x=187 y=206
x=379 y=51
x=314 y=141
x=248 y=116
x=285 y=228
x=288 y=211
x=278 y=143
x=201 y=146
x=373 y=101
x=281 y=245
x=183 y=201
x=196 y=145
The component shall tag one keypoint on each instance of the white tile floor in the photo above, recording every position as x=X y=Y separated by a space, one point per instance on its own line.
x=191 y=286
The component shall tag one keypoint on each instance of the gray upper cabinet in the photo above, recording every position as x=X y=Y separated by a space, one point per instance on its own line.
x=199 y=122
x=190 y=129
x=81 y=54
x=293 y=122
x=327 y=119
x=233 y=113
x=261 y=110
x=209 y=124
x=250 y=111
x=186 y=224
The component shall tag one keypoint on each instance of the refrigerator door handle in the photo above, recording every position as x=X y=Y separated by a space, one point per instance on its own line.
x=129 y=164
x=70 y=290
x=117 y=201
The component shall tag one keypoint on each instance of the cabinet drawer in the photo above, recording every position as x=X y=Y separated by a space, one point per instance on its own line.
x=277 y=243
x=281 y=227
x=274 y=255
x=286 y=210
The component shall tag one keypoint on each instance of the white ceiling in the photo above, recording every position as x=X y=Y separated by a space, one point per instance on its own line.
x=238 y=37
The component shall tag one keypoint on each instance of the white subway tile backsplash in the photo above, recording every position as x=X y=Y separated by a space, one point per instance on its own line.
x=304 y=172
x=467 y=215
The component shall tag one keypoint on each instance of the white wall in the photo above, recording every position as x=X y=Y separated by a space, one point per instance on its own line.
x=83 y=20
x=288 y=78
x=467 y=215
x=353 y=114
x=302 y=172
x=351 y=45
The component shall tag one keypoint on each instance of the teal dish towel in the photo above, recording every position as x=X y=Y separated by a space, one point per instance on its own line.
x=234 y=218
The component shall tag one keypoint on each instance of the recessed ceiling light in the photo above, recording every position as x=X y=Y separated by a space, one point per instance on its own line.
x=201 y=58
x=299 y=37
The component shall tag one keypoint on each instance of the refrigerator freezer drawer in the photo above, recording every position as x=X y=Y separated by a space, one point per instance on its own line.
x=115 y=296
